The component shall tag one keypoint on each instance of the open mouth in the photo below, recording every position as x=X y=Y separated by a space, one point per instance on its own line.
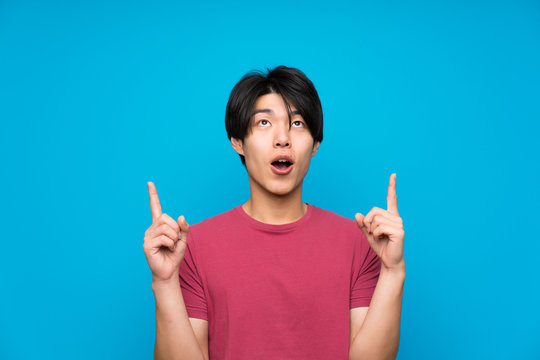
x=281 y=167
x=280 y=164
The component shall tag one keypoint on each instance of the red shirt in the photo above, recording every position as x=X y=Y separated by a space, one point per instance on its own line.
x=277 y=291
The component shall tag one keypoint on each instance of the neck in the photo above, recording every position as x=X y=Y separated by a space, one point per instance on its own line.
x=276 y=209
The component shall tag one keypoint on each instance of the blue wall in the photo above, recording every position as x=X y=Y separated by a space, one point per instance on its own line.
x=98 y=98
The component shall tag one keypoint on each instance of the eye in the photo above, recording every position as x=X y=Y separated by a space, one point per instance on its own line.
x=298 y=121
x=261 y=121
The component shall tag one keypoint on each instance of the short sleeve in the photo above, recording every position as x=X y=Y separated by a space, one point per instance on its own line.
x=366 y=269
x=191 y=283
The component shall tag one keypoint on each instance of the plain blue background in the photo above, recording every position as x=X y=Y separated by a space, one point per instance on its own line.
x=99 y=97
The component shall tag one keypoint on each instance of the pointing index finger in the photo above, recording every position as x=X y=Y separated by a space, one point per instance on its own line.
x=155 y=206
x=391 y=198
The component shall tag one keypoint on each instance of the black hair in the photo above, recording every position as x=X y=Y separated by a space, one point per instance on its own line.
x=293 y=86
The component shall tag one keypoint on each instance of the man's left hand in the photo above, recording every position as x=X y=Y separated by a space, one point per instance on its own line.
x=384 y=230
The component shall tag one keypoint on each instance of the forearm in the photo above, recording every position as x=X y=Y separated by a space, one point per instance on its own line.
x=378 y=337
x=175 y=338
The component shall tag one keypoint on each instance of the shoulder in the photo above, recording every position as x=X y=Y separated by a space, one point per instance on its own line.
x=216 y=223
x=328 y=217
x=340 y=226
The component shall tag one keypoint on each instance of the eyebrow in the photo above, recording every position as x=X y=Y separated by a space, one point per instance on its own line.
x=270 y=111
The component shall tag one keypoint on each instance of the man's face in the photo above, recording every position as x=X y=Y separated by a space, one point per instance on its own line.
x=270 y=137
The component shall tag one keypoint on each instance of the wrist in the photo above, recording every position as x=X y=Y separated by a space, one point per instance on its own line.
x=158 y=283
x=394 y=271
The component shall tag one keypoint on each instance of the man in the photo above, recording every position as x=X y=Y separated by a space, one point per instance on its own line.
x=277 y=278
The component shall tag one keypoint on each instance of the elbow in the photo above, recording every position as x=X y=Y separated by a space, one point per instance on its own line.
x=373 y=354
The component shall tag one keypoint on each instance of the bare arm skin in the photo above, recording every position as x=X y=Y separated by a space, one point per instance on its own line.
x=378 y=335
x=175 y=337
x=200 y=327
x=165 y=243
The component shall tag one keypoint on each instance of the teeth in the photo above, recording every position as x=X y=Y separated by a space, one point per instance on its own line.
x=282 y=160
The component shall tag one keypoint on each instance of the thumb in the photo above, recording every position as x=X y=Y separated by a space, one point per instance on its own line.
x=184 y=226
x=360 y=222
x=359 y=219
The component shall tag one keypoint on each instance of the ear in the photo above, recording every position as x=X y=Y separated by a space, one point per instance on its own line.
x=315 y=148
x=237 y=145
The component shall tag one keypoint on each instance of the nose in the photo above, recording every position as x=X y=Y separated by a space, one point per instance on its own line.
x=282 y=138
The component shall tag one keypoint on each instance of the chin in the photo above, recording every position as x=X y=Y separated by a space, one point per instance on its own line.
x=281 y=190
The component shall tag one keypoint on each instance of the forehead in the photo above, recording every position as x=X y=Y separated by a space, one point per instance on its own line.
x=272 y=104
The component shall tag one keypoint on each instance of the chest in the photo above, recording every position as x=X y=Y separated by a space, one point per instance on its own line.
x=254 y=271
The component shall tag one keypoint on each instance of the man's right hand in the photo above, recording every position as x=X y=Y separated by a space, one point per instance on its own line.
x=165 y=240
